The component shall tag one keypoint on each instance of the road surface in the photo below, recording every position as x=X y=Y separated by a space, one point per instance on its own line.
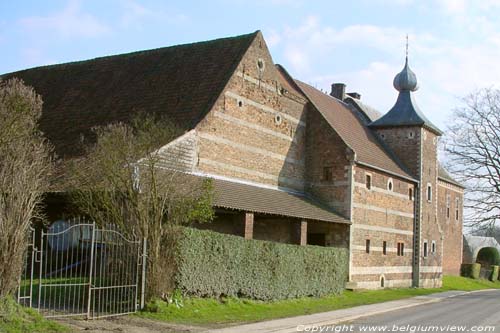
x=473 y=312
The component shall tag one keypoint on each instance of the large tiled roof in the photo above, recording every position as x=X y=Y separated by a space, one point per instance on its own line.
x=180 y=81
x=369 y=150
x=247 y=197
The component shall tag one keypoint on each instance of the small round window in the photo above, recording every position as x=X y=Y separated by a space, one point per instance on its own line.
x=240 y=103
x=278 y=120
x=261 y=65
x=390 y=185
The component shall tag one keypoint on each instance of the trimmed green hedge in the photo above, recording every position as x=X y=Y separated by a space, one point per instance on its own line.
x=214 y=264
x=470 y=270
x=494 y=273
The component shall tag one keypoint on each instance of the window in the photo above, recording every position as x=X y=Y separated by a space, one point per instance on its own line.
x=425 y=249
x=384 y=248
x=277 y=119
x=429 y=192
x=433 y=247
x=261 y=65
x=328 y=174
x=411 y=134
x=367 y=246
x=457 y=209
x=390 y=185
x=410 y=193
x=448 y=199
x=368 y=182
x=401 y=249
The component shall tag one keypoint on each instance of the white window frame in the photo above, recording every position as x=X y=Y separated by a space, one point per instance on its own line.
x=390 y=185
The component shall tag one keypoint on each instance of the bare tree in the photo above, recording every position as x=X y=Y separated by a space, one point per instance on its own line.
x=124 y=180
x=473 y=147
x=25 y=166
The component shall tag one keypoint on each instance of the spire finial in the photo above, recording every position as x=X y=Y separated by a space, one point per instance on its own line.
x=407 y=47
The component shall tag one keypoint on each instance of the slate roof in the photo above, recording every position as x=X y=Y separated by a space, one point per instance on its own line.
x=246 y=197
x=445 y=176
x=180 y=81
x=405 y=113
x=354 y=132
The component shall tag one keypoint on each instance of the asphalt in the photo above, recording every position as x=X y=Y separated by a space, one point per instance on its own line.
x=436 y=312
x=471 y=312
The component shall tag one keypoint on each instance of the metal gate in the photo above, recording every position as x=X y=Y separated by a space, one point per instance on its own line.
x=79 y=269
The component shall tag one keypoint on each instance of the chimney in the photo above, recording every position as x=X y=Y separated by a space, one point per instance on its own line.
x=354 y=95
x=338 y=91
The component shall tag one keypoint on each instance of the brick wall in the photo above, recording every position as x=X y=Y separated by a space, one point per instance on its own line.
x=381 y=215
x=452 y=227
x=256 y=130
x=325 y=149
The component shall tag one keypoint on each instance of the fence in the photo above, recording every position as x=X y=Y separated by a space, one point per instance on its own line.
x=79 y=269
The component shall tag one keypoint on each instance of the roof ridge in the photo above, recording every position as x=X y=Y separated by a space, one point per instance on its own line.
x=137 y=53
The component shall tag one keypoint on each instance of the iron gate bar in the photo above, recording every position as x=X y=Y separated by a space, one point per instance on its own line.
x=85 y=271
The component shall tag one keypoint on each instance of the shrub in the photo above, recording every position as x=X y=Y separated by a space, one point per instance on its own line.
x=214 y=264
x=470 y=270
x=494 y=272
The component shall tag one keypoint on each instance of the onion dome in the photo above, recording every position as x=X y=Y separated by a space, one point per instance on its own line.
x=406 y=80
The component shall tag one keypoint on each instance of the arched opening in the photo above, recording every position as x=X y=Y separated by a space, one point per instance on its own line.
x=382 y=282
x=488 y=256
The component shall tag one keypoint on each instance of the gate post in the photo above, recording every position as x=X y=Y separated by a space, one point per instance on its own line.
x=143 y=275
x=91 y=269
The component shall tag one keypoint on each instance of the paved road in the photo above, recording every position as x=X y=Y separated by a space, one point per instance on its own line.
x=473 y=312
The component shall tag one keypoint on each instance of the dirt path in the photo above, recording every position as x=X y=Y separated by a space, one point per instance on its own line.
x=127 y=324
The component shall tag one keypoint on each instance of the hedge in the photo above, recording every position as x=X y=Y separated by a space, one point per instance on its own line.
x=211 y=264
x=470 y=270
x=494 y=272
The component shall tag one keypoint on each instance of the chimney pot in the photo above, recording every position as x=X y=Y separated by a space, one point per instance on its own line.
x=338 y=91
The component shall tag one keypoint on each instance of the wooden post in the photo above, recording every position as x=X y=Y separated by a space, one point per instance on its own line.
x=301 y=232
x=248 y=219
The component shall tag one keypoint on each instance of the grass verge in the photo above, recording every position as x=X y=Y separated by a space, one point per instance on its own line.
x=213 y=312
x=15 y=318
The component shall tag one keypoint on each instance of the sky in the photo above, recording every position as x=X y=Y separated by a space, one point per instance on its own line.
x=454 y=45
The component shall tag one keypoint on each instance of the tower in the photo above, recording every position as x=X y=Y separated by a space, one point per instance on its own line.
x=413 y=139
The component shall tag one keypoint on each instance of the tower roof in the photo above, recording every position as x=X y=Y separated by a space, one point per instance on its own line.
x=405 y=112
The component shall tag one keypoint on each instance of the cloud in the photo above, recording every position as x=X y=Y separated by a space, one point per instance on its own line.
x=71 y=21
x=367 y=57
x=136 y=14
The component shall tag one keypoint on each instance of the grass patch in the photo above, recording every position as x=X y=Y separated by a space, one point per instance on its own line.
x=15 y=318
x=213 y=312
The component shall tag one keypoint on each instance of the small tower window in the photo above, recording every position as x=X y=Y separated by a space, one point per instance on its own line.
x=384 y=248
x=411 y=135
x=448 y=199
x=429 y=192
x=433 y=247
x=457 y=208
x=390 y=185
x=240 y=103
x=328 y=174
x=410 y=193
x=367 y=246
x=425 y=249
x=278 y=119
x=368 y=182
x=401 y=249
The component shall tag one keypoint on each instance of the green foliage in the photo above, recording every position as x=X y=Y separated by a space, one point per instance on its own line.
x=494 y=272
x=488 y=256
x=470 y=270
x=17 y=319
x=214 y=264
x=209 y=311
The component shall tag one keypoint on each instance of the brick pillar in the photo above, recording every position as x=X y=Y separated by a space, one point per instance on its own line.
x=247 y=225
x=301 y=232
